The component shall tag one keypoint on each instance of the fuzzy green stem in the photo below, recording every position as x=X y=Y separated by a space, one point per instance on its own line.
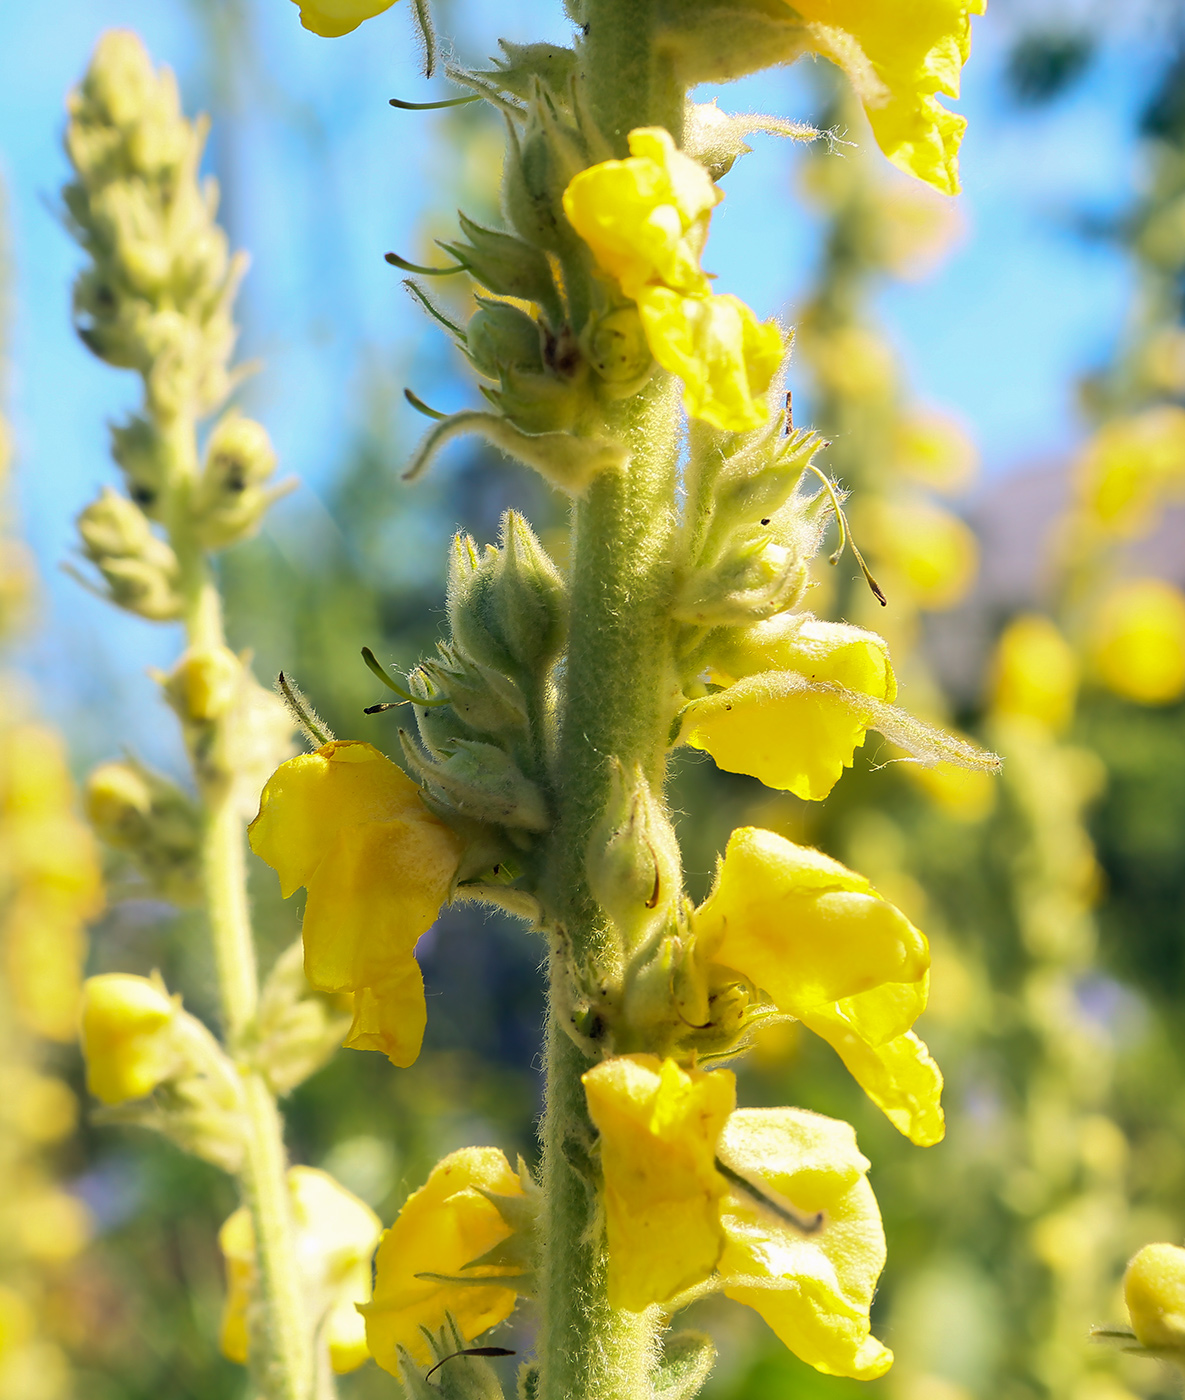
x=617 y=703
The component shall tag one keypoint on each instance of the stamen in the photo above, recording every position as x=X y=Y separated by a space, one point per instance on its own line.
x=804 y=1224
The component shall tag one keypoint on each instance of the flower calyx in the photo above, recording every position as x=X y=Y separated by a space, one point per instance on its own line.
x=146 y=815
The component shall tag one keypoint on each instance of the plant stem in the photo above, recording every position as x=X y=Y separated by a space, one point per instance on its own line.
x=281 y=1352
x=618 y=702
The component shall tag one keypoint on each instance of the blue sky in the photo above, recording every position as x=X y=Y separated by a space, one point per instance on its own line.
x=322 y=177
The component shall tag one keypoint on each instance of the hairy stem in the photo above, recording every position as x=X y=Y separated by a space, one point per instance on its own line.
x=617 y=703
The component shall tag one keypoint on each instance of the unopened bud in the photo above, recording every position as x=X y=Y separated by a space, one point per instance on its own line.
x=136 y=810
x=231 y=498
x=618 y=351
x=1154 y=1290
x=481 y=781
x=530 y=602
x=502 y=337
x=504 y=264
x=204 y=684
x=136 y=447
x=537 y=171
x=299 y=1029
x=140 y=569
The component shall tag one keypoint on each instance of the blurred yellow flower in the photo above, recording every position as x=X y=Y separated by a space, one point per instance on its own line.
x=814 y=1288
x=332 y=18
x=965 y=794
x=1130 y=466
x=1138 y=641
x=898 y=64
x=789 y=724
x=921 y=548
x=1154 y=1290
x=826 y=948
x=350 y=826
x=125 y=1024
x=1035 y=673
x=659 y=1125
x=442 y=1230
x=646 y=220
x=935 y=450
x=335 y=1237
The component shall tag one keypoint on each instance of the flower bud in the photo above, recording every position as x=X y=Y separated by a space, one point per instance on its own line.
x=618 y=351
x=139 y=569
x=482 y=781
x=204 y=684
x=136 y=447
x=632 y=861
x=537 y=171
x=125 y=1036
x=1154 y=1290
x=230 y=499
x=141 y=812
x=299 y=1029
x=504 y=264
x=502 y=337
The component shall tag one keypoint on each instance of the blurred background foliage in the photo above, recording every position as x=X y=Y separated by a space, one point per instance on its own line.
x=1020 y=611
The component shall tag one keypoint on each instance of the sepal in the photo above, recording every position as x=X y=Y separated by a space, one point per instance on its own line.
x=523 y=64
x=141 y=571
x=505 y=265
x=137 y=810
x=297 y=1029
x=454 y=1374
x=480 y=781
x=686 y=1362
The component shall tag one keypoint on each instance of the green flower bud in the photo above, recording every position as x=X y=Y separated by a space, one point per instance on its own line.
x=484 y=700
x=505 y=265
x=483 y=782
x=524 y=64
x=501 y=337
x=537 y=171
x=136 y=447
x=136 y=810
x=755 y=580
x=139 y=569
x=230 y=499
x=617 y=350
x=298 y=1029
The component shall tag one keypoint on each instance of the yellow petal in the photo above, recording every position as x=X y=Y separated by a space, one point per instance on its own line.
x=726 y=357
x=898 y=1075
x=1138 y=643
x=1036 y=673
x=442 y=1227
x=813 y=1288
x=128 y=1051
x=336 y=1234
x=1154 y=1290
x=333 y=18
x=899 y=57
x=808 y=931
x=659 y=1125
x=310 y=798
x=390 y=1016
x=645 y=219
x=822 y=651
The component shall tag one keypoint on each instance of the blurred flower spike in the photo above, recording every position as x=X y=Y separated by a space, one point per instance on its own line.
x=771 y=1205
x=1138 y=641
x=333 y=18
x=646 y=221
x=349 y=825
x=450 y=1253
x=335 y=1237
x=826 y=948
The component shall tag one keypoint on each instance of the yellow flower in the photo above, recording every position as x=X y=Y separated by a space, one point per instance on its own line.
x=814 y=1289
x=332 y=18
x=790 y=725
x=1036 y=674
x=125 y=1023
x=1154 y=1290
x=659 y=1125
x=1130 y=466
x=921 y=548
x=1139 y=641
x=335 y=1237
x=646 y=220
x=899 y=60
x=442 y=1229
x=825 y=947
x=350 y=826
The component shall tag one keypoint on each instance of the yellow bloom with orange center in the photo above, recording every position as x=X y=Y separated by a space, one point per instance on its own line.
x=1035 y=674
x=1138 y=642
x=442 y=1231
x=659 y=1125
x=125 y=1036
x=333 y=18
x=826 y=948
x=900 y=58
x=769 y=1204
x=789 y=720
x=349 y=825
x=335 y=1237
x=645 y=220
